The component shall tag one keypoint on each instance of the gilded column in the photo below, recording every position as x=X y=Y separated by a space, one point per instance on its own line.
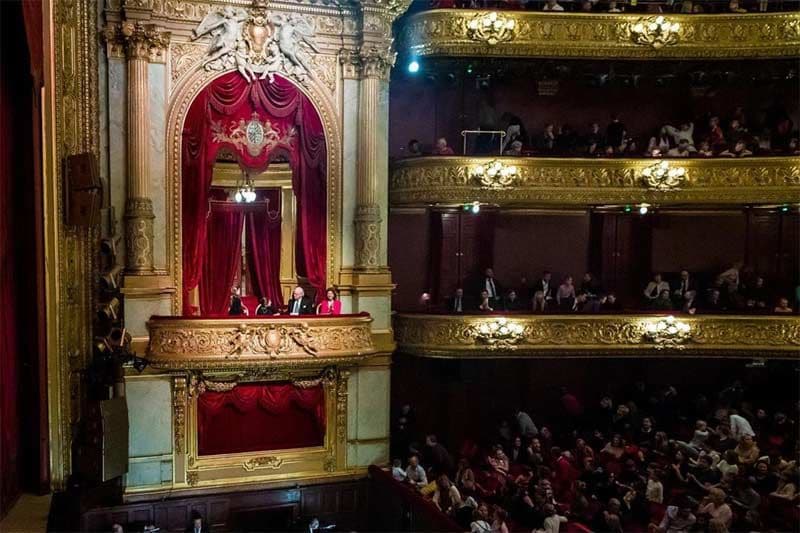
x=143 y=43
x=372 y=170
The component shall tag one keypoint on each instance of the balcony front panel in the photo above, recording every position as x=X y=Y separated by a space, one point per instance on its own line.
x=451 y=32
x=189 y=343
x=482 y=336
x=563 y=182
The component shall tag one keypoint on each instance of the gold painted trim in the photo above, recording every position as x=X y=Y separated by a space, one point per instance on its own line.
x=589 y=335
x=562 y=181
x=226 y=344
x=445 y=32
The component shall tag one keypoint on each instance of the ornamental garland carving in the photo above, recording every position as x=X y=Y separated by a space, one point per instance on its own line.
x=455 y=336
x=580 y=181
x=447 y=32
x=216 y=344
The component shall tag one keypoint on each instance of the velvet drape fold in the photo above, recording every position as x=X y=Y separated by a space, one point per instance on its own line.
x=261 y=417
x=217 y=119
x=264 y=250
x=223 y=259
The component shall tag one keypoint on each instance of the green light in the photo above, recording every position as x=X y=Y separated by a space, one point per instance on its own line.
x=627 y=209
x=785 y=208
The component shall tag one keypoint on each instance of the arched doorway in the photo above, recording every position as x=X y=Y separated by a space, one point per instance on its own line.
x=257 y=123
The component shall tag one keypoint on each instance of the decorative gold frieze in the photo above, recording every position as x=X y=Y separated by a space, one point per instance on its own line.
x=447 y=32
x=492 y=28
x=561 y=181
x=583 y=335
x=252 y=342
x=341 y=406
x=663 y=177
x=368 y=238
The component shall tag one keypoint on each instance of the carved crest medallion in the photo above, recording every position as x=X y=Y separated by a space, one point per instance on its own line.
x=253 y=135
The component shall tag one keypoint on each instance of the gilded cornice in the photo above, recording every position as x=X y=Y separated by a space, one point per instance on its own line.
x=225 y=344
x=136 y=41
x=446 y=32
x=588 y=335
x=561 y=181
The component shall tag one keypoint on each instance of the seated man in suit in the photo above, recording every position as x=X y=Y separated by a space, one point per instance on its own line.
x=300 y=304
x=457 y=303
x=684 y=285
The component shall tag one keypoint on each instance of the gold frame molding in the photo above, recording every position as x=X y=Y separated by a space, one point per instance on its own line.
x=453 y=336
x=256 y=343
x=181 y=99
x=192 y=470
x=562 y=181
x=445 y=32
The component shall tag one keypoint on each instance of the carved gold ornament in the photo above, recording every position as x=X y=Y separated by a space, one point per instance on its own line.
x=573 y=335
x=657 y=32
x=495 y=174
x=445 y=32
x=269 y=462
x=254 y=135
x=663 y=177
x=565 y=182
x=492 y=28
x=499 y=334
x=668 y=332
x=219 y=344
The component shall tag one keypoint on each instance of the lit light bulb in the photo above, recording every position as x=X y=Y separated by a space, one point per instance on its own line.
x=238 y=196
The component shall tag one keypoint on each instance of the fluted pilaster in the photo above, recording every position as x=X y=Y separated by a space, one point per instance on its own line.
x=375 y=65
x=142 y=44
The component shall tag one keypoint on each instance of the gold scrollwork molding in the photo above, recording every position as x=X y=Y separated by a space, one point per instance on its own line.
x=136 y=40
x=179 y=397
x=198 y=344
x=269 y=462
x=621 y=335
x=557 y=181
x=447 y=32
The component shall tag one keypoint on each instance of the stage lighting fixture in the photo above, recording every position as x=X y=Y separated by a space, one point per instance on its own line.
x=413 y=66
x=643 y=209
x=476 y=208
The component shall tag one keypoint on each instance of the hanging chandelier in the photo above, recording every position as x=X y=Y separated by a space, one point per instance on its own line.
x=245 y=193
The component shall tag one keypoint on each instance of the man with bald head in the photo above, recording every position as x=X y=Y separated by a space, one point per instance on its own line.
x=300 y=304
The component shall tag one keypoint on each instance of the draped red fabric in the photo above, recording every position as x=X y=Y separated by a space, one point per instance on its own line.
x=264 y=249
x=218 y=118
x=260 y=417
x=32 y=15
x=223 y=258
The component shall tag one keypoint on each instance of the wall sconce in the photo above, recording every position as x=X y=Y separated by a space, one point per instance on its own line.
x=668 y=332
x=663 y=177
x=499 y=334
x=492 y=28
x=495 y=174
x=657 y=32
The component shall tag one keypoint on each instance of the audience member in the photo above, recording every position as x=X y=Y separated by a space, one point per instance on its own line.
x=654 y=289
x=565 y=295
x=237 y=307
x=414 y=149
x=415 y=474
x=299 y=303
x=456 y=303
x=331 y=305
x=265 y=307
x=442 y=148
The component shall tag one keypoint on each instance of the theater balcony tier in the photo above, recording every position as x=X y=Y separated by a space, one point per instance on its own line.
x=562 y=182
x=510 y=336
x=230 y=343
x=467 y=33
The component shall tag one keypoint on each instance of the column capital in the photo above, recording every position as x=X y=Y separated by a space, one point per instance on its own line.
x=136 y=40
x=377 y=60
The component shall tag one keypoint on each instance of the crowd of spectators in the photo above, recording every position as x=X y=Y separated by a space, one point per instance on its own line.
x=732 y=290
x=653 y=460
x=622 y=6
x=710 y=137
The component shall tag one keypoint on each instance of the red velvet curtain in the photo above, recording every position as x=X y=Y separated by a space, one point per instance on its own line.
x=223 y=257
x=260 y=417
x=230 y=102
x=264 y=249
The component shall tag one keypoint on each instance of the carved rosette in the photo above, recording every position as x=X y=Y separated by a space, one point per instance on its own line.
x=217 y=344
x=454 y=336
x=139 y=234
x=143 y=41
x=368 y=236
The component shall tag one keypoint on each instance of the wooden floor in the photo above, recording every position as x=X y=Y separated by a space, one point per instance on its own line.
x=29 y=515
